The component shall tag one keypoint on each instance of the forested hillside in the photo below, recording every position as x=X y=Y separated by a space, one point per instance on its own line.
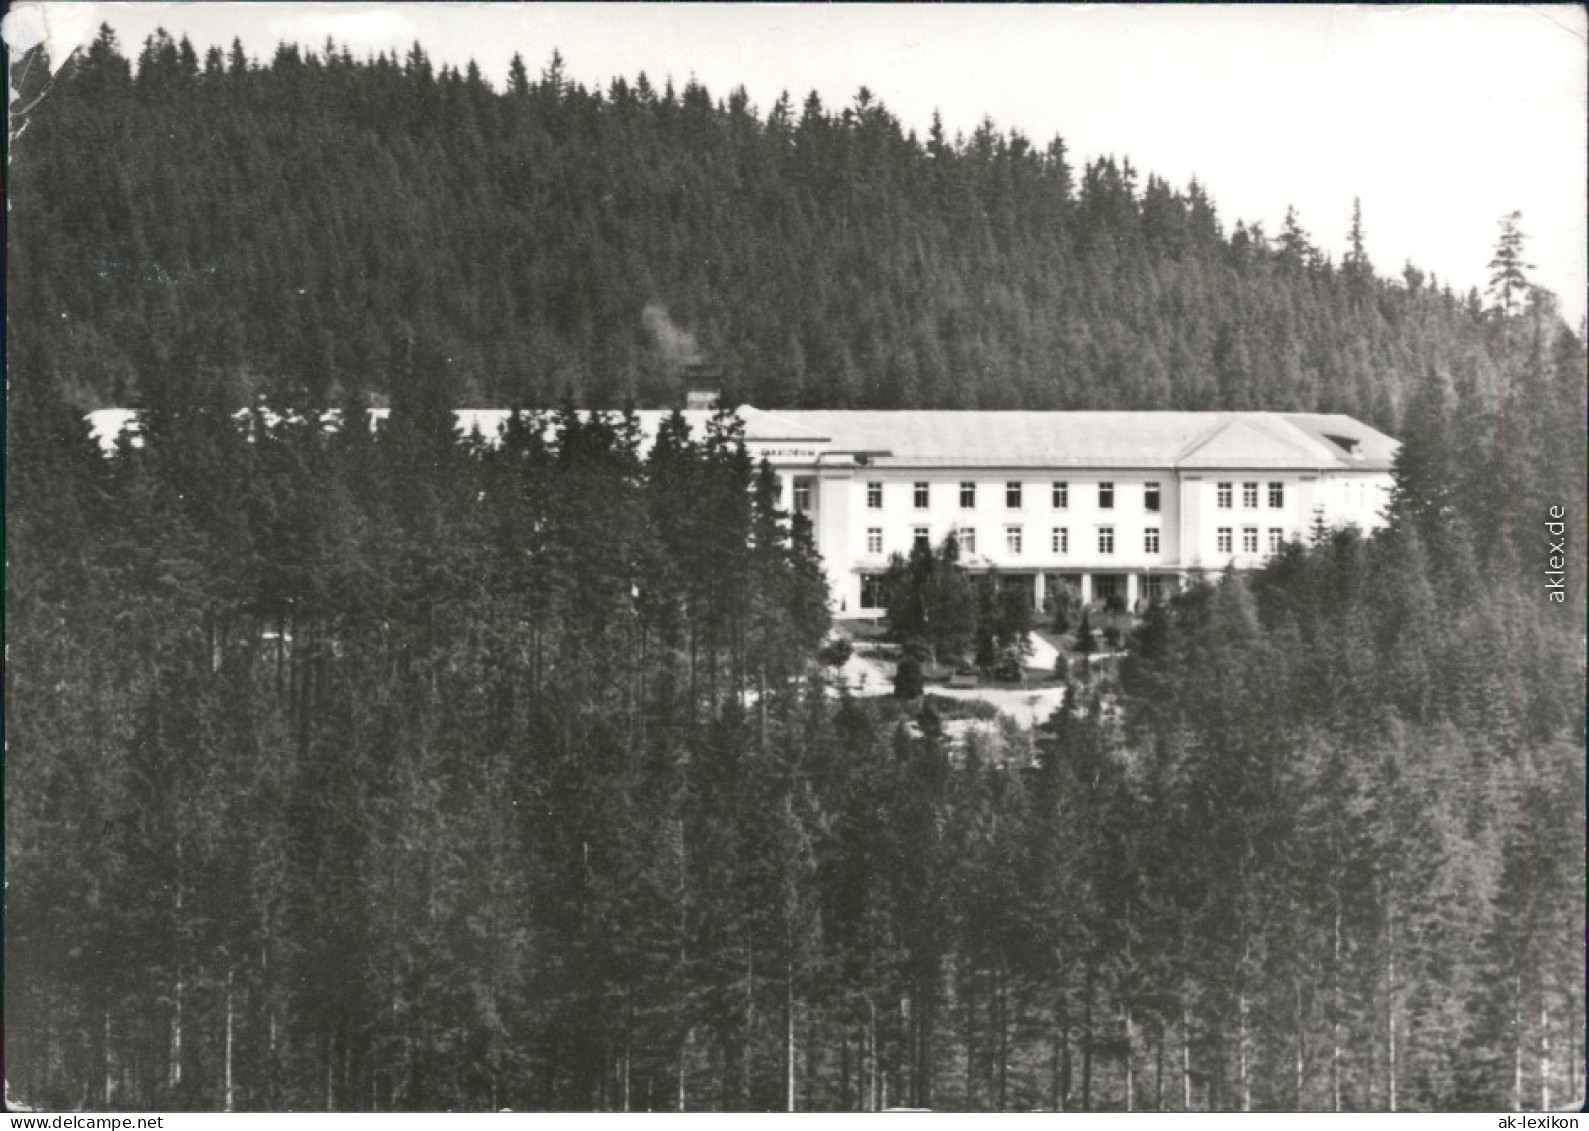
x=370 y=773
x=334 y=225
x=351 y=770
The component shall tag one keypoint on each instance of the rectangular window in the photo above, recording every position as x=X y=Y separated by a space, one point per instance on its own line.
x=1277 y=539
x=1106 y=496
x=1222 y=539
x=874 y=540
x=1150 y=540
x=1012 y=539
x=1277 y=496
x=968 y=542
x=920 y=538
x=1249 y=539
x=871 y=591
x=1150 y=496
x=1222 y=496
x=1061 y=496
x=1012 y=495
x=1106 y=539
x=921 y=496
x=874 y=496
x=1249 y=496
x=1061 y=540
x=968 y=495
x=802 y=496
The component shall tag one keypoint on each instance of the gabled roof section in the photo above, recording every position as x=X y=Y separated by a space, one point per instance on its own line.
x=1350 y=442
x=1243 y=441
x=765 y=426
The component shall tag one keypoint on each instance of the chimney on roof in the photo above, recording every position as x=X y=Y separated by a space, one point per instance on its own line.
x=703 y=385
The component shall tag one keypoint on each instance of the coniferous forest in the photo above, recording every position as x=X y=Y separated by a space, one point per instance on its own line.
x=351 y=770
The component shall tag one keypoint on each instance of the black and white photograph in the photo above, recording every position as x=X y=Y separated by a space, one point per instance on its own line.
x=794 y=558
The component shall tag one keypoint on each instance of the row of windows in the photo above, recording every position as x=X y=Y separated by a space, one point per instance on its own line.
x=921 y=494
x=1224 y=494
x=1014 y=540
x=1104 y=586
x=1249 y=539
x=1014 y=490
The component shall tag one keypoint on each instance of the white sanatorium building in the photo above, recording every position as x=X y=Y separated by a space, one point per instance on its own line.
x=1114 y=503
x=1118 y=503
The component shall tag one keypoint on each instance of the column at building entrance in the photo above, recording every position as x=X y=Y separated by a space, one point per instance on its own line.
x=1131 y=592
x=1039 y=590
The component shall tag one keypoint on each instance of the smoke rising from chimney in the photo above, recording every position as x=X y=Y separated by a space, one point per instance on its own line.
x=677 y=346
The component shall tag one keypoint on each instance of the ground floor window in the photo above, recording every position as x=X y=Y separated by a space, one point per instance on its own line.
x=1105 y=587
x=968 y=541
x=1276 y=538
x=871 y=591
x=1160 y=588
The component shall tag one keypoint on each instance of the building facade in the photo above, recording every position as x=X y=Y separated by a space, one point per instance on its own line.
x=1111 y=503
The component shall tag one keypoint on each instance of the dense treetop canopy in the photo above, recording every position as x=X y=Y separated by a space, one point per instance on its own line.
x=317 y=225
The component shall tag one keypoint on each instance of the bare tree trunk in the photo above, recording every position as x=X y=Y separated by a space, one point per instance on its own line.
x=1390 y=996
x=1544 y=1055
x=230 y=1091
x=789 y=1031
x=1086 y=1048
x=871 y=1056
x=1053 y=1070
x=174 y=1071
x=1158 y=1069
x=1004 y=1036
x=684 y=1045
x=844 y=1069
x=1335 y=1019
x=814 y=1049
x=971 y=1038
x=684 y=1049
x=750 y=1022
x=628 y=1037
x=1241 y=1051
x=1131 y=1083
x=109 y=1061
x=1065 y=1063
x=1301 y=1045
x=1517 y=1043
x=46 y=1065
x=1186 y=1058
x=175 y=1074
